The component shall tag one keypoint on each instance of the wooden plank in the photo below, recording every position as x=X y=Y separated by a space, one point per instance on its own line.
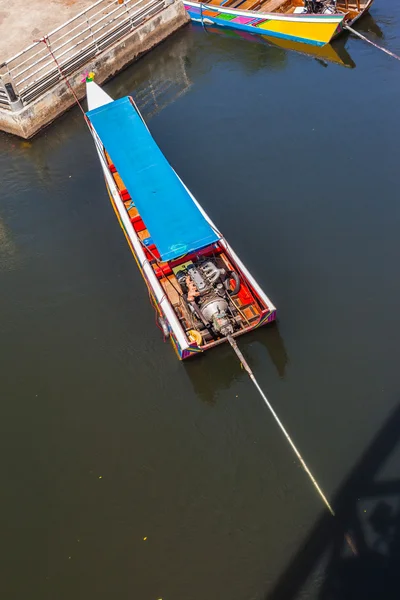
x=228 y=3
x=251 y=313
x=226 y=261
x=215 y=2
x=271 y=5
x=171 y=286
x=355 y=6
x=248 y=5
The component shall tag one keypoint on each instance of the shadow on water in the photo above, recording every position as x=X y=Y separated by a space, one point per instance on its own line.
x=368 y=25
x=271 y=339
x=160 y=80
x=336 y=52
x=372 y=571
x=208 y=377
x=254 y=55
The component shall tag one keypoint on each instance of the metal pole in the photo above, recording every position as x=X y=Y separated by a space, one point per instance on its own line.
x=13 y=98
x=362 y=37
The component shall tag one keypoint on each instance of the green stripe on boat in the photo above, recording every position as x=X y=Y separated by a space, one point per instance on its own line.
x=226 y=17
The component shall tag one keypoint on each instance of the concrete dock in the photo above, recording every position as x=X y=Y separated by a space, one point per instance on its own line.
x=22 y=23
x=103 y=37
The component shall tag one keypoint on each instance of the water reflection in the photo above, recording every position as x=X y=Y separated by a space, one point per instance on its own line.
x=8 y=253
x=334 y=53
x=368 y=25
x=209 y=377
x=41 y=153
x=156 y=83
x=253 y=56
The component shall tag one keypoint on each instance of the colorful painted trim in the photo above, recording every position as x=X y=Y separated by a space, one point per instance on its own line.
x=316 y=30
x=176 y=346
x=267 y=318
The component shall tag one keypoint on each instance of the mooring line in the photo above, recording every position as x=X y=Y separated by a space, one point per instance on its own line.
x=362 y=37
x=201 y=15
x=250 y=373
x=279 y=422
x=46 y=42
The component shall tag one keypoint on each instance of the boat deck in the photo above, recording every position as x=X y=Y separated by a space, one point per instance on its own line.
x=251 y=309
x=286 y=6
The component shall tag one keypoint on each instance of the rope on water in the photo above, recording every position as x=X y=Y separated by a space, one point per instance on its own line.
x=362 y=37
x=279 y=422
x=201 y=15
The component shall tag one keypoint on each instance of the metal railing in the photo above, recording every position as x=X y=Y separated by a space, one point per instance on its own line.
x=33 y=71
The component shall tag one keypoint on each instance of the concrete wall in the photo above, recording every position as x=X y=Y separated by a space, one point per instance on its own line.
x=28 y=121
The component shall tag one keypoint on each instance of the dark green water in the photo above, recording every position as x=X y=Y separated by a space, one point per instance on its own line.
x=107 y=439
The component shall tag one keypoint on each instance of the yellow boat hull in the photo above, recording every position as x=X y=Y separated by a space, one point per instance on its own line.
x=316 y=33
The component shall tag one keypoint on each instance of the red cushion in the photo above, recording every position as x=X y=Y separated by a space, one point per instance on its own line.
x=138 y=224
x=152 y=252
x=166 y=270
x=124 y=195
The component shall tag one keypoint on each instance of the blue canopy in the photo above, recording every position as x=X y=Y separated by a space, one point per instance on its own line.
x=172 y=218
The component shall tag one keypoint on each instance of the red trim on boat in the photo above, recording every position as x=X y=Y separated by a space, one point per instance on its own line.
x=138 y=224
x=124 y=195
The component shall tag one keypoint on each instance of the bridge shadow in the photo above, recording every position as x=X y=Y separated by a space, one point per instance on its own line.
x=358 y=551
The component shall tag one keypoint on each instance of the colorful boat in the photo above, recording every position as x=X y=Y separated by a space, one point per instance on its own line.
x=201 y=290
x=314 y=22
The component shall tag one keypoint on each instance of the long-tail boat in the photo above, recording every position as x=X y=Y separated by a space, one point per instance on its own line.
x=314 y=22
x=202 y=292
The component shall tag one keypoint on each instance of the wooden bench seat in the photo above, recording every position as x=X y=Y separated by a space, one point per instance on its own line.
x=247 y=5
x=271 y=5
x=266 y=7
x=217 y=3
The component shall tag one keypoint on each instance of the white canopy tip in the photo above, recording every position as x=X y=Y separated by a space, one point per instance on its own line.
x=96 y=96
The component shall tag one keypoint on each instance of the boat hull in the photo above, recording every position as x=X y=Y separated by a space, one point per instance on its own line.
x=251 y=306
x=182 y=349
x=353 y=20
x=316 y=30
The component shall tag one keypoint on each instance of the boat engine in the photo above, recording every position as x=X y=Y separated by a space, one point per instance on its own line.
x=316 y=7
x=206 y=289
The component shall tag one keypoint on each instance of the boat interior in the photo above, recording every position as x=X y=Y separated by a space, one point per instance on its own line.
x=352 y=7
x=230 y=292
